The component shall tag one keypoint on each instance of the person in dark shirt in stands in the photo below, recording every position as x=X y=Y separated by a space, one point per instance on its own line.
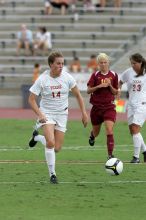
x=61 y=4
x=103 y=86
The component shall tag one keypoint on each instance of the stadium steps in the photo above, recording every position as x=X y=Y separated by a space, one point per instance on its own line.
x=113 y=31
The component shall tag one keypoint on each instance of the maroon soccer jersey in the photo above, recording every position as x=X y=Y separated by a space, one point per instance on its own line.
x=103 y=96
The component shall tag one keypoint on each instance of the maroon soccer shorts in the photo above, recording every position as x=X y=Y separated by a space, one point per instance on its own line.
x=99 y=115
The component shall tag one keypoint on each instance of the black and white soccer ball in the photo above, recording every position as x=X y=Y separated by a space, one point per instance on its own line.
x=114 y=166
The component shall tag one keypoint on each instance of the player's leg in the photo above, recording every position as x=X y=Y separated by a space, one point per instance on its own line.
x=59 y=139
x=36 y=137
x=60 y=129
x=110 y=137
x=40 y=138
x=135 y=123
x=96 y=121
x=48 y=130
x=94 y=133
x=135 y=132
x=109 y=121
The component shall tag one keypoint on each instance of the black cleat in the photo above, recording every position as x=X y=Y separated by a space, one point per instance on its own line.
x=53 y=179
x=135 y=160
x=144 y=156
x=32 y=142
x=91 y=140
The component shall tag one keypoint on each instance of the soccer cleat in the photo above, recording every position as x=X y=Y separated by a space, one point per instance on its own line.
x=32 y=142
x=91 y=140
x=135 y=160
x=144 y=156
x=53 y=179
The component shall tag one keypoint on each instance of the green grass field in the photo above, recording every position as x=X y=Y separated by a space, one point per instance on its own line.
x=85 y=190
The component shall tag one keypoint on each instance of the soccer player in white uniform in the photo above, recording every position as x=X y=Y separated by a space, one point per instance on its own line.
x=53 y=86
x=135 y=78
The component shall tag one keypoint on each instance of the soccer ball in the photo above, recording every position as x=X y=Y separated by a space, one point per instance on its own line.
x=114 y=166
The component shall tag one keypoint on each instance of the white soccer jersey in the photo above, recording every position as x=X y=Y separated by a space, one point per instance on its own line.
x=136 y=87
x=54 y=92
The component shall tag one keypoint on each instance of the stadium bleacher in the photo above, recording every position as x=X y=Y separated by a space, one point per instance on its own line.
x=114 y=31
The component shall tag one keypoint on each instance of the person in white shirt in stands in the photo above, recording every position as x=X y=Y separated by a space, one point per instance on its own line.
x=54 y=86
x=43 y=40
x=48 y=7
x=135 y=78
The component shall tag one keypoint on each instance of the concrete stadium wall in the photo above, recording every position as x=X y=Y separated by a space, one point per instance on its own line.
x=20 y=102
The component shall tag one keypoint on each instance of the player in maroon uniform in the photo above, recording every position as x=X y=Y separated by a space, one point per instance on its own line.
x=103 y=86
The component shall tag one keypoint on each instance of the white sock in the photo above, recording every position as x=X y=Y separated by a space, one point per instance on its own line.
x=143 y=146
x=50 y=159
x=137 y=144
x=40 y=138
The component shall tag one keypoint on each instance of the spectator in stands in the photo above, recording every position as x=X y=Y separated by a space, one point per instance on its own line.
x=2 y=1
x=75 y=65
x=88 y=5
x=36 y=72
x=37 y=38
x=25 y=40
x=92 y=64
x=43 y=40
x=48 y=7
x=61 y=4
x=117 y=3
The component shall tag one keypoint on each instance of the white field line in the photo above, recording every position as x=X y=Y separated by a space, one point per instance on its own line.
x=73 y=148
x=76 y=183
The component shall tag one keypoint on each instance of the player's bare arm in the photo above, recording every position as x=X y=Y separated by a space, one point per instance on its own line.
x=79 y=98
x=32 y=101
x=120 y=84
x=119 y=89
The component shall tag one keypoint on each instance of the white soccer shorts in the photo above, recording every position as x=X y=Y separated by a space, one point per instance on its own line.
x=60 y=121
x=137 y=115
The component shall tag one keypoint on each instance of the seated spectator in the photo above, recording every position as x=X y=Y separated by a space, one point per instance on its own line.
x=61 y=4
x=43 y=40
x=92 y=64
x=48 y=7
x=2 y=1
x=88 y=5
x=24 y=40
x=75 y=65
x=36 y=72
x=37 y=37
x=117 y=3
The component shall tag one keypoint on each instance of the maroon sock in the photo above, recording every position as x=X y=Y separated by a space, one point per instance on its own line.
x=92 y=134
x=110 y=144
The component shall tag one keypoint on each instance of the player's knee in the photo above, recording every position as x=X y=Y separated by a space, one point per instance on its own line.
x=50 y=143
x=109 y=132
